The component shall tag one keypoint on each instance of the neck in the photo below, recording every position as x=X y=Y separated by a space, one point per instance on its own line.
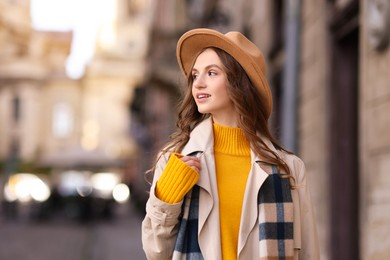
x=227 y=120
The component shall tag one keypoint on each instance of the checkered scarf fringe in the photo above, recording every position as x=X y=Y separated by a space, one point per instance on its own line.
x=275 y=222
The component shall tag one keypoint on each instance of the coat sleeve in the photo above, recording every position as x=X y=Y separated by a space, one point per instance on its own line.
x=160 y=225
x=308 y=230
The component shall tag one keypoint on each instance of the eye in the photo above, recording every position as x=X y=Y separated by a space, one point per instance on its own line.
x=194 y=75
x=212 y=73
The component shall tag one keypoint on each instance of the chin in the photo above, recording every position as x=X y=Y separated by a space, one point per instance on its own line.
x=202 y=110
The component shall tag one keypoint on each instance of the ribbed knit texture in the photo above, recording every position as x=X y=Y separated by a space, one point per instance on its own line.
x=176 y=180
x=233 y=162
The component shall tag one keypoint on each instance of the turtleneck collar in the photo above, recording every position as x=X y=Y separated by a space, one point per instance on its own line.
x=230 y=140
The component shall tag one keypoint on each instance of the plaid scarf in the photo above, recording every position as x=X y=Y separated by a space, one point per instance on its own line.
x=275 y=222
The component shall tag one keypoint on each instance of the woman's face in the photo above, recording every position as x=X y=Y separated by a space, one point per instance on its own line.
x=209 y=88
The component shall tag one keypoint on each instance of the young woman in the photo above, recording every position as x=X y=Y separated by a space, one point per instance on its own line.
x=223 y=188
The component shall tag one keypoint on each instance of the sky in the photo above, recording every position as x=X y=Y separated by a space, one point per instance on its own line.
x=83 y=17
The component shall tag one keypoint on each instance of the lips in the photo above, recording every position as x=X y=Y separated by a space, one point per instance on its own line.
x=202 y=96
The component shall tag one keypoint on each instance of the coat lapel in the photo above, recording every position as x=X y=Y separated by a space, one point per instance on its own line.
x=256 y=178
x=249 y=216
x=202 y=140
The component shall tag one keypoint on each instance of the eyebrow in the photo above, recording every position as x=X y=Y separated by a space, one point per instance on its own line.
x=208 y=67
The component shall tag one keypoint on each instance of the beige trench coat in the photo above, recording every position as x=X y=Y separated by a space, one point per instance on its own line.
x=160 y=226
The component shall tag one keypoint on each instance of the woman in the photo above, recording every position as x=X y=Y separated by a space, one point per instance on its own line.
x=223 y=188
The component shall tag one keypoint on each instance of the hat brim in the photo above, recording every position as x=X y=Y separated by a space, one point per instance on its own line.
x=193 y=42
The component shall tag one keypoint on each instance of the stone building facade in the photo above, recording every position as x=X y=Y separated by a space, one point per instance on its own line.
x=374 y=137
x=342 y=121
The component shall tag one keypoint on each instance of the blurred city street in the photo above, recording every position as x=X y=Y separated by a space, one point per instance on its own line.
x=65 y=239
x=89 y=95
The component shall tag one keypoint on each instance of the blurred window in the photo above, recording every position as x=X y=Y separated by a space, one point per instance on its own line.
x=276 y=63
x=62 y=120
x=278 y=25
x=16 y=108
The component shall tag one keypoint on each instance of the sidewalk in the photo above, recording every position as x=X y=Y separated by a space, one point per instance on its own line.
x=69 y=240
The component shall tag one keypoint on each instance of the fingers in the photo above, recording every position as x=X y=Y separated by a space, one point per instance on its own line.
x=193 y=162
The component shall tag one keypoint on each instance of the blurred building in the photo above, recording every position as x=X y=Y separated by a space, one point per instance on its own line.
x=51 y=122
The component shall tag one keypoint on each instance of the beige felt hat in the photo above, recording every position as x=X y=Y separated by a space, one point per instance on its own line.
x=237 y=45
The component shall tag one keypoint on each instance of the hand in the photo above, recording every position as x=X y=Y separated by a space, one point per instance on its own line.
x=191 y=161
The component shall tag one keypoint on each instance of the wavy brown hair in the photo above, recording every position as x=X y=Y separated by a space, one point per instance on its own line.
x=249 y=106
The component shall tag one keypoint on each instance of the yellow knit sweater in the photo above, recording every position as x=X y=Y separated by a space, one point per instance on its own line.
x=232 y=160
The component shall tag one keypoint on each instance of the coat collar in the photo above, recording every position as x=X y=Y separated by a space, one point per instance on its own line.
x=202 y=140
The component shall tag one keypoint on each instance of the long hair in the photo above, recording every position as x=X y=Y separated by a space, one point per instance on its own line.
x=247 y=101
